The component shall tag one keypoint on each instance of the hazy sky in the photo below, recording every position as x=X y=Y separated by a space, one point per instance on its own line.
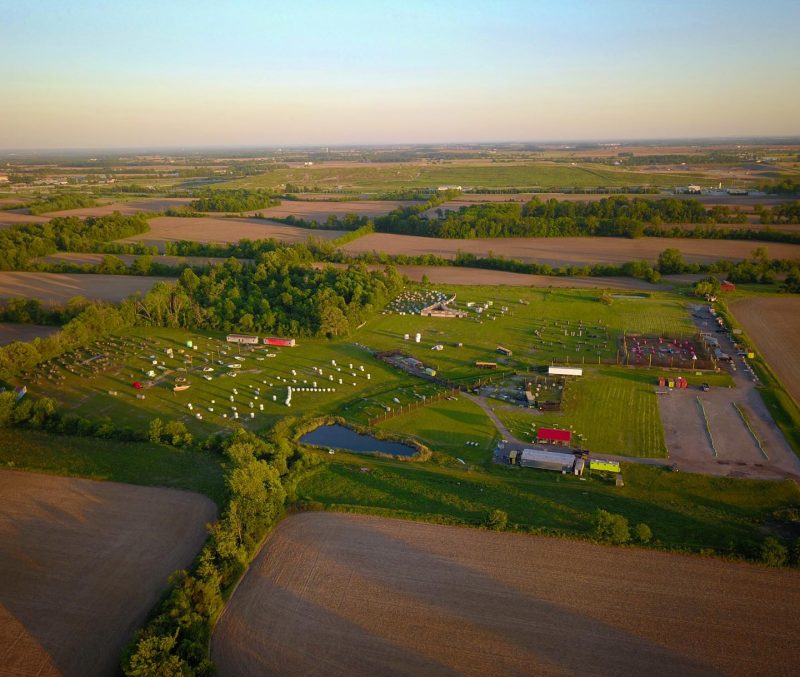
x=75 y=73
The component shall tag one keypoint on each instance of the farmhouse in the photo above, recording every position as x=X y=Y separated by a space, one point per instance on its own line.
x=564 y=371
x=554 y=436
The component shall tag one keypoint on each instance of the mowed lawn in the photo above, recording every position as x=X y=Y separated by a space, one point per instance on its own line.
x=447 y=426
x=684 y=510
x=555 y=313
x=610 y=410
x=129 y=462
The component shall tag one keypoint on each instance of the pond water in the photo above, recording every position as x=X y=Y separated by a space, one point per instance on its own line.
x=339 y=437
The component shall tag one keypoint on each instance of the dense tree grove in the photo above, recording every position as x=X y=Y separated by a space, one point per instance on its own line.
x=60 y=202
x=788 y=212
x=242 y=200
x=18 y=245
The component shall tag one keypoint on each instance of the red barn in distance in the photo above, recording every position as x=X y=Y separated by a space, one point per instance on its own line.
x=727 y=285
x=554 y=436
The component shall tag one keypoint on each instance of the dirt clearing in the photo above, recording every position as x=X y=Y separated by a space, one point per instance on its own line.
x=81 y=564
x=224 y=230
x=774 y=325
x=565 y=251
x=11 y=331
x=353 y=595
x=58 y=288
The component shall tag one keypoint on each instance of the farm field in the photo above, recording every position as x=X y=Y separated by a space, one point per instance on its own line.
x=82 y=563
x=223 y=230
x=11 y=331
x=610 y=410
x=773 y=323
x=377 y=177
x=124 y=207
x=58 y=288
x=320 y=210
x=352 y=593
x=567 y=251
x=457 y=275
x=15 y=218
x=89 y=259
x=547 y=311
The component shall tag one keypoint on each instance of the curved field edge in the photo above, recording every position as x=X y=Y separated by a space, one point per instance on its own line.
x=353 y=591
x=82 y=562
x=785 y=411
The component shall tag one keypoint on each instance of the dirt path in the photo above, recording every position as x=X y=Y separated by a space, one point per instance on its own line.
x=339 y=594
x=82 y=563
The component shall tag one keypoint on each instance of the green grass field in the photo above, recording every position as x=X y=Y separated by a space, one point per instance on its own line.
x=683 y=510
x=611 y=410
x=548 y=312
x=446 y=427
x=131 y=462
x=524 y=175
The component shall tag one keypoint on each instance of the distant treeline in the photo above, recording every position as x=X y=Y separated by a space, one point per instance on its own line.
x=60 y=202
x=19 y=244
x=241 y=200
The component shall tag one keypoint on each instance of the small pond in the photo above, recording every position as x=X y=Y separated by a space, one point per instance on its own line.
x=339 y=437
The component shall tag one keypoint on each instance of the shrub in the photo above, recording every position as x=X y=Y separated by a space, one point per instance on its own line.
x=611 y=528
x=497 y=520
x=643 y=533
x=773 y=552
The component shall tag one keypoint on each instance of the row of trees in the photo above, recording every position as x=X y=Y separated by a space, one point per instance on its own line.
x=61 y=201
x=241 y=200
x=18 y=245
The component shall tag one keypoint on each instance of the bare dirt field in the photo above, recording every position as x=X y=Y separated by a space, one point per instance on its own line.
x=126 y=208
x=319 y=210
x=481 y=276
x=57 y=288
x=564 y=251
x=339 y=594
x=81 y=259
x=11 y=331
x=81 y=564
x=224 y=230
x=8 y=219
x=774 y=325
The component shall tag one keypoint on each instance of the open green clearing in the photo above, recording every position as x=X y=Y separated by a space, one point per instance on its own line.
x=400 y=176
x=447 y=426
x=130 y=462
x=684 y=511
x=554 y=313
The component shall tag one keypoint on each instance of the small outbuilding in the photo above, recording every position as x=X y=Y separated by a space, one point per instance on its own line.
x=564 y=371
x=554 y=436
x=547 y=460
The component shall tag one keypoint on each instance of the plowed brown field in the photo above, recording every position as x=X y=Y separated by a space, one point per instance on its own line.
x=774 y=325
x=81 y=564
x=320 y=210
x=57 y=288
x=565 y=251
x=11 y=331
x=223 y=230
x=341 y=594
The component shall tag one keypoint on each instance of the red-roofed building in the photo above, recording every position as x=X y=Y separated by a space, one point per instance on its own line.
x=554 y=436
x=727 y=285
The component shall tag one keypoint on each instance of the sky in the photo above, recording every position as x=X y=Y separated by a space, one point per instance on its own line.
x=117 y=74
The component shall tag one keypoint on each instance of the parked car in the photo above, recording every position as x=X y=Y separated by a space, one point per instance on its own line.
x=705 y=387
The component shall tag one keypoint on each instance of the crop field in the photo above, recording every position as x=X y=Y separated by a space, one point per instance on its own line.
x=223 y=230
x=126 y=208
x=58 y=288
x=456 y=275
x=8 y=219
x=377 y=177
x=557 y=315
x=609 y=410
x=10 y=332
x=97 y=382
x=364 y=595
x=320 y=210
x=568 y=251
x=82 y=563
x=773 y=323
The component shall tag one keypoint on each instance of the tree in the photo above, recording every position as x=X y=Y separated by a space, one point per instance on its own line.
x=176 y=433
x=773 y=552
x=7 y=400
x=643 y=533
x=497 y=520
x=155 y=431
x=611 y=527
x=671 y=261
x=153 y=656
